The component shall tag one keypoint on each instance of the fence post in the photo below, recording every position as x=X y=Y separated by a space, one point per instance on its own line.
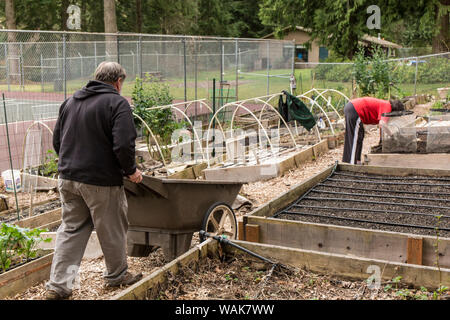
x=22 y=73
x=415 y=77
x=64 y=67
x=268 y=68
x=95 y=54
x=221 y=73
x=138 y=71
x=118 y=48
x=140 y=57
x=81 y=65
x=196 y=78
x=7 y=66
x=293 y=58
x=184 y=69
x=157 y=61
x=237 y=68
x=42 y=74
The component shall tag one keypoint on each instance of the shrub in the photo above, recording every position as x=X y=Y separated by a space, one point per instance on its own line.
x=372 y=74
x=149 y=93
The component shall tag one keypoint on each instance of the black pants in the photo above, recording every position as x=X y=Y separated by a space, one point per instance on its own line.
x=354 y=135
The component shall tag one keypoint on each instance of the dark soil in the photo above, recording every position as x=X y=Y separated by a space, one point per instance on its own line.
x=422 y=205
x=23 y=214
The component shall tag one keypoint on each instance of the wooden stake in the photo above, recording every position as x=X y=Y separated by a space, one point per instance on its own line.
x=414 y=250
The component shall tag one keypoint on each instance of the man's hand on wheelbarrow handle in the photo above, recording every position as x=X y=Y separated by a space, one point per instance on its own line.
x=136 y=177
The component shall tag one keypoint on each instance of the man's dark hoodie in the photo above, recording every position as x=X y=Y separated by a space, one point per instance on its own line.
x=95 y=136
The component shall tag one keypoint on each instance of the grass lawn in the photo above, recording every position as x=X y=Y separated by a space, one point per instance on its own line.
x=250 y=85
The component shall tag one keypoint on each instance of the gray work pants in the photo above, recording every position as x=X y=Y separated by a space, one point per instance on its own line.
x=85 y=207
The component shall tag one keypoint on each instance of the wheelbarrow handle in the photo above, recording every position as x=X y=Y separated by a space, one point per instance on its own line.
x=147 y=184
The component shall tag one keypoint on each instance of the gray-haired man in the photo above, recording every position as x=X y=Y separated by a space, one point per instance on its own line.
x=94 y=137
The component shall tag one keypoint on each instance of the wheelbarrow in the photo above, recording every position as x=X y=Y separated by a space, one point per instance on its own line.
x=166 y=212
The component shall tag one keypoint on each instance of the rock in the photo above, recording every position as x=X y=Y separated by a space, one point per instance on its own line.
x=3 y=202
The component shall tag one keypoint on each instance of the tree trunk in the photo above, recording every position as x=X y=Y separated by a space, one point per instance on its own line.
x=109 y=13
x=13 y=49
x=84 y=26
x=139 y=16
x=64 y=15
x=441 y=41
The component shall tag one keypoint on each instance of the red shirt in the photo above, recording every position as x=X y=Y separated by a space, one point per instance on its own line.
x=370 y=109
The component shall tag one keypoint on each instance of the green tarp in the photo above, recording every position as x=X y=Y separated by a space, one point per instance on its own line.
x=294 y=109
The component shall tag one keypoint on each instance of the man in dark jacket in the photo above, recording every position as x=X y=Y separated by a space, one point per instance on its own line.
x=94 y=138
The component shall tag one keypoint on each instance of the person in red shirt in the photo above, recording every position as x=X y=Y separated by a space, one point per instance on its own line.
x=360 y=111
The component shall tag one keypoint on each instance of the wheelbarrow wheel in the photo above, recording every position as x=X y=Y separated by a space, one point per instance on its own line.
x=220 y=220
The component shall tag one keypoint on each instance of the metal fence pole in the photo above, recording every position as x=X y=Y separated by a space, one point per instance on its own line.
x=415 y=77
x=184 y=69
x=221 y=73
x=118 y=48
x=8 y=80
x=157 y=61
x=95 y=54
x=140 y=58
x=268 y=68
x=236 y=54
x=293 y=57
x=196 y=77
x=81 y=65
x=134 y=63
x=42 y=73
x=64 y=67
x=22 y=73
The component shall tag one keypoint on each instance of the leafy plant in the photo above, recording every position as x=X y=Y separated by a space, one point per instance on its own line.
x=18 y=244
x=50 y=167
x=31 y=238
x=10 y=236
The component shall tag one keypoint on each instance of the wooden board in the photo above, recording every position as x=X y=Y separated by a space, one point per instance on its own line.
x=372 y=244
x=409 y=160
x=21 y=278
x=140 y=289
x=41 y=220
x=265 y=171
x=350 y=267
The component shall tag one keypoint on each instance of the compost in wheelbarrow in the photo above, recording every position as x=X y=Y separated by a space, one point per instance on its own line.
x=166 y=212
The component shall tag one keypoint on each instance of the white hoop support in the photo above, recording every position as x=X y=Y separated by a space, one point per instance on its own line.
x=187 y=118
x=314 y=102
x=215 y=117
x=26 y=136
x=154 y=138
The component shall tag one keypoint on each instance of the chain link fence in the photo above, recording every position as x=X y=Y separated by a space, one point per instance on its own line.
x=40 y=69
x=410 y=75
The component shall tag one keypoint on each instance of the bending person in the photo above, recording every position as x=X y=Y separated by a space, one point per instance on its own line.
x=359 y=112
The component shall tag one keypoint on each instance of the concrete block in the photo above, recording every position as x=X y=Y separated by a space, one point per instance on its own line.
x=93 y=249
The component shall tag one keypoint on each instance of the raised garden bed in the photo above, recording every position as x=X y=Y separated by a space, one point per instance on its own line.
x=315 y=219
x=267 y=169
x=22 y=277
x=212 y=271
